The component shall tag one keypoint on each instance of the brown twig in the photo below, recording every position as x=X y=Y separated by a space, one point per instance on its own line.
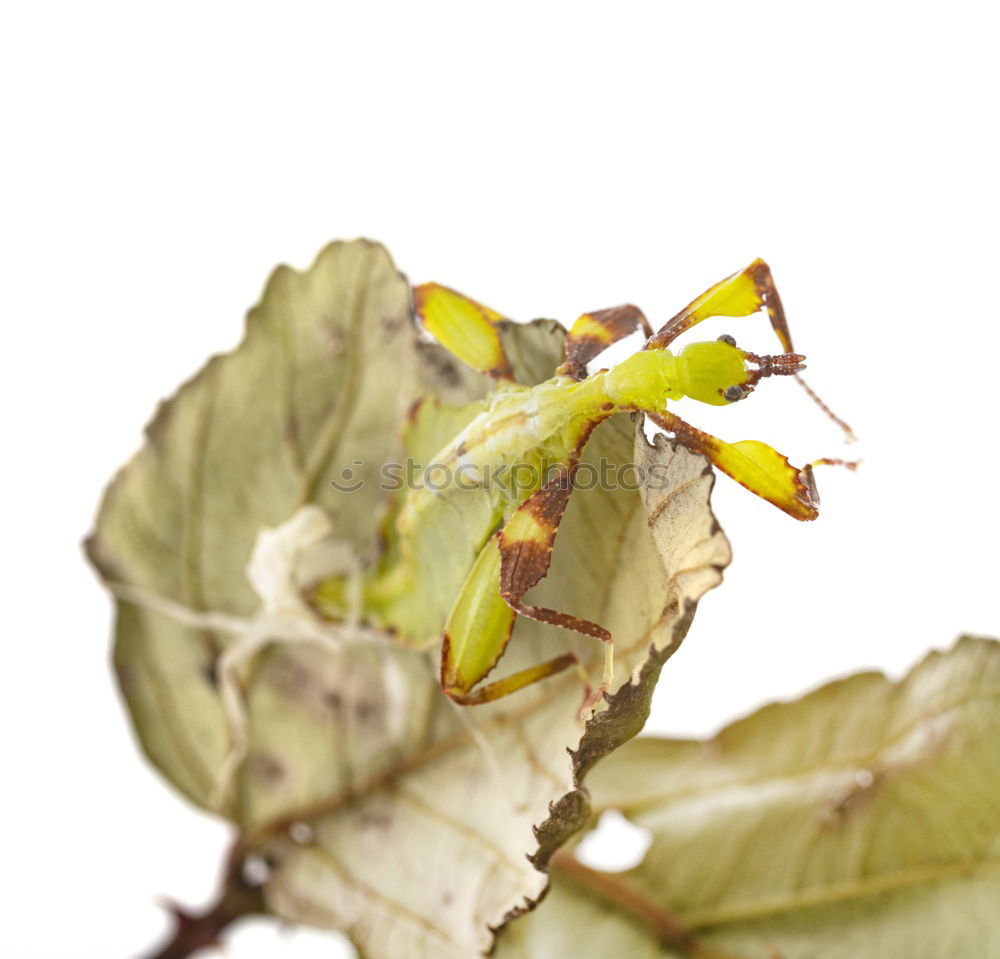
x=193 y=931
x=667 y=928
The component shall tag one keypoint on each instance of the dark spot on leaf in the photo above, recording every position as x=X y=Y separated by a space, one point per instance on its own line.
x=376 y=817
x=442 y=366
x=365 y=711
x=266 y=768
x=334 y=701
x=210 y=673
x=414 y=410
x=289 y=677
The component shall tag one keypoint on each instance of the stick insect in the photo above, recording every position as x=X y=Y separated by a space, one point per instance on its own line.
x=461 y=556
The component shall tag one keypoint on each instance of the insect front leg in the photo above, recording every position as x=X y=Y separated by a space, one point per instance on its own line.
x=476 y=635
x=741 y=294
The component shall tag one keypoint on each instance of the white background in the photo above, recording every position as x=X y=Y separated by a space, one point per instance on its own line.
x=160 y=159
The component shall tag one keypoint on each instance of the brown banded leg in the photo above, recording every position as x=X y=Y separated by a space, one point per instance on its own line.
x=464 y=327
x=754 y=465
x=526 y=553
x=594 y=332
x=741 y=294
x=476 y=634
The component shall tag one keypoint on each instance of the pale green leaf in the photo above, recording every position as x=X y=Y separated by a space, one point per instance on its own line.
x=321 y=379
x=389 y=812
x=860 y=821
x=382 y=809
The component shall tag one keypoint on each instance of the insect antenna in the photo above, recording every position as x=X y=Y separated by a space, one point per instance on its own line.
x=849 y=436
x=826 y=461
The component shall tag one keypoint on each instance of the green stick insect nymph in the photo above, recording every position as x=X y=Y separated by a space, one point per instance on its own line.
x=499 y=547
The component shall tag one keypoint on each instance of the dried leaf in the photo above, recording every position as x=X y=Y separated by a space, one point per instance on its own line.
x=255 y=435
x=387 y=811
x=860 y=821
x=382 y=809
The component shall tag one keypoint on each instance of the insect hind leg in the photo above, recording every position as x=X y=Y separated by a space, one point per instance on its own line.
x=525 y=556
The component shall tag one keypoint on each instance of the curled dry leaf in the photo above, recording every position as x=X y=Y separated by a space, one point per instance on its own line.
x=860 y=821
x=379 y=807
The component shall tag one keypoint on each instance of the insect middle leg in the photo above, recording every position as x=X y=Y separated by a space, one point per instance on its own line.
x=755 y=465
x=594 y=332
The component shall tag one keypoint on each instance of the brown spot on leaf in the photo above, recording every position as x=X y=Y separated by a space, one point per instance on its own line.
x=266 y=768
x=365 y=712
x=502 y=371
x=441 y=365
x=289 y=677
x=333 y=700
x=390 y=324
x=414 y=410
x=376 y=816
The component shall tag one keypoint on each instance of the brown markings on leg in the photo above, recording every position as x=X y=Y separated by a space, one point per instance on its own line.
x=764 y=282
x=741 y=294
x=798 y=498
x=692 y=437
x=704 y=306
x=526 y=553
x=465 y=327
x=525 y=545
x=760 y=273
x=594 y=332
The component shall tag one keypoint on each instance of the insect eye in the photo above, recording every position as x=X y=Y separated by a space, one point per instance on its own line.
x=733 y=393
x=726 y=338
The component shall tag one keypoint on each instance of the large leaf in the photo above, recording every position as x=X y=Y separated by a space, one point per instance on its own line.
x=860 y=821
x=323 y=375
x=381 y=809
x=387 y=811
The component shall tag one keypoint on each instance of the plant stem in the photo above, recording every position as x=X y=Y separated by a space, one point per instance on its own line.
x=667 y=928
x=195 y=931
